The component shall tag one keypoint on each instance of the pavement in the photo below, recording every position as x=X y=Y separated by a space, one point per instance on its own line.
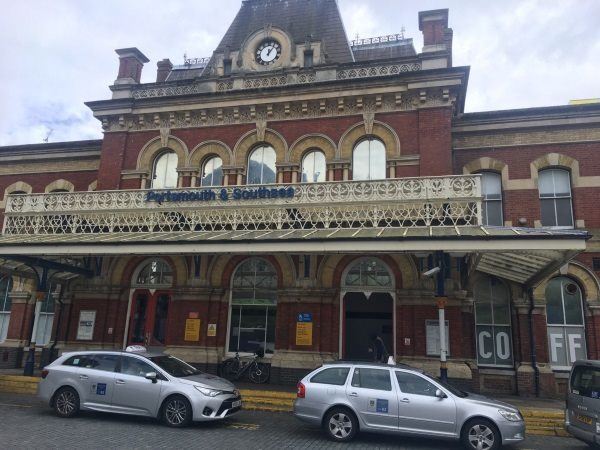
x=29 y=423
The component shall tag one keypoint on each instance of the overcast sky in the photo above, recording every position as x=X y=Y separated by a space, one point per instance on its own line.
x=54 y=55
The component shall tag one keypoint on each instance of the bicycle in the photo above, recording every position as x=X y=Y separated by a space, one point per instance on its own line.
x=234 y=368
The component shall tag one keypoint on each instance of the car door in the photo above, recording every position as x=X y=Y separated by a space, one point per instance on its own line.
x=419 y=410
x=96 y=373
x=133 y=392
x=373 y=395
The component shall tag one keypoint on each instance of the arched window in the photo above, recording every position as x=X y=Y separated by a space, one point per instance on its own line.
x=164 y=171
x=492 y=322
x=45 y=316
x=555 y=198
x=212 y=172
x=313 y=167
x=566 y=328
x=368 y=160
x=491 y=186
x=368 y=273
x=156 y=272
x=5 y=305
x=253 y=307
x=261 y=165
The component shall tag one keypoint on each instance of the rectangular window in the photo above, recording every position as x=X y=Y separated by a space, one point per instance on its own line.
x=308 y=58
x=336 y=376
x=252 y=328
x=585 y=381
x=372 y=379
x=414 y=384
x=555 y=198
x=227 y=67
x=491 y=187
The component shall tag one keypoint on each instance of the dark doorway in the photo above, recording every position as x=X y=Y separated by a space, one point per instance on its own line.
x=149 y=318
x=365 y=317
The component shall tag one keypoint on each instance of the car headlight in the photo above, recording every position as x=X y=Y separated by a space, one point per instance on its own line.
x=510 y=416
x=208 y=392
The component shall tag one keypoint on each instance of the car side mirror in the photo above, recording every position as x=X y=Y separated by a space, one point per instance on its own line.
x=152 y=376
x=440 y=394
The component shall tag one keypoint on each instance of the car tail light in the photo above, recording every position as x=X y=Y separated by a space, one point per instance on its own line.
x=301 y=391
x=45 y=373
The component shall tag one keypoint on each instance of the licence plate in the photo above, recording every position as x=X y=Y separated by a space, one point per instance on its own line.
x=585 y=419
x=236 y=404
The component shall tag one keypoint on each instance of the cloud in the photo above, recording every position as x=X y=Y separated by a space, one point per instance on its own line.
x=57 y=55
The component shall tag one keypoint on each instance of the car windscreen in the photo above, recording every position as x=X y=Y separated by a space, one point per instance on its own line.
x=452 y=389
x=585 y=381
x=174 y=367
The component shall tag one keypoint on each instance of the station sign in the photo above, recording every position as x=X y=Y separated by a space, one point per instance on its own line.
x=224 y=194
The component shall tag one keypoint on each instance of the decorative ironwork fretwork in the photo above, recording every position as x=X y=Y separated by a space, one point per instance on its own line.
x=396 y=203
x=378 y=40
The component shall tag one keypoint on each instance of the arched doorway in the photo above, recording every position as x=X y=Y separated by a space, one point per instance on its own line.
x=367 y=308
x=150 y=304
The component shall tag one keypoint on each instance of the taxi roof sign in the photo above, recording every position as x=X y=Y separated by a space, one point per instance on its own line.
x=136 y=348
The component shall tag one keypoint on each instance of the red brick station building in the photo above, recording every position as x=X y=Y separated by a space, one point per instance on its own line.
x=294 y=192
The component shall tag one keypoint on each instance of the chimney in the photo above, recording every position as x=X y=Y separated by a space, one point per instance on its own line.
x=131 y=62
x=163 y=68
x=436 y=34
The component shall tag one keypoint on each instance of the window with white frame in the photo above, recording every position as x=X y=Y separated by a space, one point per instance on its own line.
x=368 y=160
x=566 y=327
x=261 y=165
x=45 y=317
x=491 y=186
x=253 y=307
x=492 y=322
x=5 y=305
x=555 y=198
x=313 y=167
x=164 y=171
x=368 y=273
x=212 y=172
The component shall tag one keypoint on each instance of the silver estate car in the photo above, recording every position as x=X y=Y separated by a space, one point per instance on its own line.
x=345 y=397
x=139 y=383
x=582 y=415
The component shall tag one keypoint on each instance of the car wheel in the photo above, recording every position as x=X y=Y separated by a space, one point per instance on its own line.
x=481 y=434
x=66 y=402
x=259 y=373
x=340 y=425
x=177 y=411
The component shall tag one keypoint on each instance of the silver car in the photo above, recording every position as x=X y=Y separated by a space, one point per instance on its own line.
x=582 y=415
x=139 y=383
x=345 y=397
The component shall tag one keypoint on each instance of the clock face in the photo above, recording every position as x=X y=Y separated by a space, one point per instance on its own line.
x=268 y=52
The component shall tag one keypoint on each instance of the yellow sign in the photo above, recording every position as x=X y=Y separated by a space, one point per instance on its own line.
x=212 y=329
x=304 y=333
x=192 y=330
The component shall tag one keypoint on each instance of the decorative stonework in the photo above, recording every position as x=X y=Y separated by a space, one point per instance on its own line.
x=378 y=71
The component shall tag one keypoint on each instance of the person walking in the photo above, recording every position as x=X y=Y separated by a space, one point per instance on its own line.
x=380 y=353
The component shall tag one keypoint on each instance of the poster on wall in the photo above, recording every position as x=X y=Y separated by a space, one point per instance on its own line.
x=304 y=333
x=85 y=328
x=192 y=330
x=432 y=337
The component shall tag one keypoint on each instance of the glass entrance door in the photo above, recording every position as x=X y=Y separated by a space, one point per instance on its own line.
x=149 y=313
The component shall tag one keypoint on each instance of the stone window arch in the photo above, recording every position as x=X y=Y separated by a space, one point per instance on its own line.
x=314 y=166
x=164 y=170
x=154 y=148
x=60 y=186
x=360 y=131
x=255 y=138
x=368 y=274
x=369 y=160
x=155 y=272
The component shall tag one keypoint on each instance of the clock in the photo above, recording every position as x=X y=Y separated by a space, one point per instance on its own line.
x=268 y=52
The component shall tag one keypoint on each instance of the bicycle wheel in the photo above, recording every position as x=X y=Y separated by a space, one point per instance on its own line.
x=259 y=373
x=230 y=369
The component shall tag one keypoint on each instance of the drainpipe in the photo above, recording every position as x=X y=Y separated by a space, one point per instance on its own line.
x=536 y=370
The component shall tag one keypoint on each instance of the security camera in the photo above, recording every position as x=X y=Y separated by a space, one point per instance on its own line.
x=431 y=272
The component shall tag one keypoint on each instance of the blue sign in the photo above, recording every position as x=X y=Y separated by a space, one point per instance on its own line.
x=382 y=405
x=304 y=317
x=208 y=195
x=101 y=389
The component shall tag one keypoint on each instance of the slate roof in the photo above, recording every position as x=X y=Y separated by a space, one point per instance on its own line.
x=321 y=19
